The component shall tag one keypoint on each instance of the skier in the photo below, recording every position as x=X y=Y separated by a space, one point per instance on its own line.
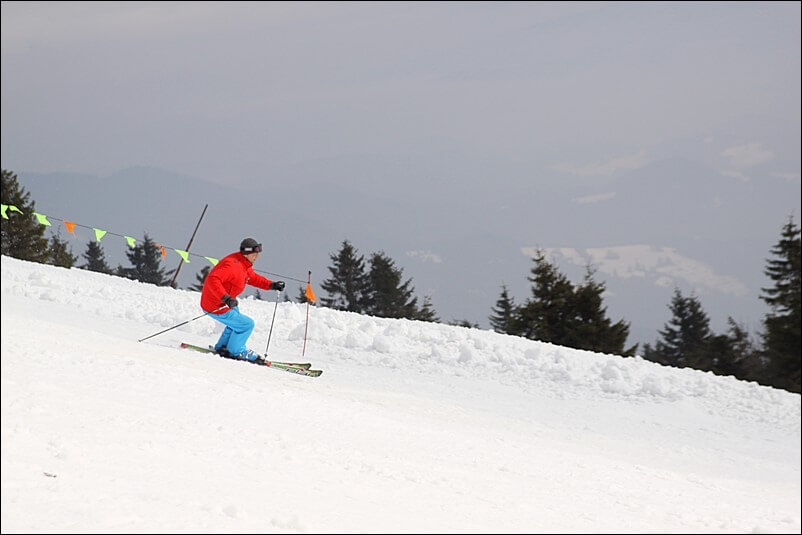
x=223 y=284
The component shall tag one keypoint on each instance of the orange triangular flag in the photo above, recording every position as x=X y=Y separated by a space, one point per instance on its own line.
x=164 y=253
x=310 y=294
x=70 y=226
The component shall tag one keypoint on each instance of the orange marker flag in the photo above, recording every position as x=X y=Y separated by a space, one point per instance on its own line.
x=70 y=226
x=164 y=253
x=310 y=294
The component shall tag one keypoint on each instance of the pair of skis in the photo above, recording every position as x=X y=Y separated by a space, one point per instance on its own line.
x=299 y=368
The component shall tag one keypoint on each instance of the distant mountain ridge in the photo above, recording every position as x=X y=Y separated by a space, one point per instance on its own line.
x=480 y=233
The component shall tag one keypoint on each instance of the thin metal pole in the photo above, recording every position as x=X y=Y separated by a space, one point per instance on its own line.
x=278 y=295
x=306 y=328
x=181 y=263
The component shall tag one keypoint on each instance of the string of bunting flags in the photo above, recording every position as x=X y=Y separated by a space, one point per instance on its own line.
x=100 y=233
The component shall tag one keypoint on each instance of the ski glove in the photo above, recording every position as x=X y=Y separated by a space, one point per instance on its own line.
x=277 y=285
x=230 y=302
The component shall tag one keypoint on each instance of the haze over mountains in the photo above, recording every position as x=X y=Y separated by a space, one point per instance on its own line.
x=662 y=224
x=659 y=141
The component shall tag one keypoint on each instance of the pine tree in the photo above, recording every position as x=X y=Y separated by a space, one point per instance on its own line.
x=146 y=262
x=685 y=338
x=732 y=354
x=96 y=258
x=464 y=323
x=389 y=297
x=547 y=315
x=60 y=252
x=301 y=295
x=426 y=312
x=745 y=361
x=200 y=278
x=348 y=285
x=781 y=336
x=562 y=313
x=503 y=313
x=21 y=235
x=590 y=328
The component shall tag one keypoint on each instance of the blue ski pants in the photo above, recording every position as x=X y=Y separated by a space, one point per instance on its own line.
x=238 y=329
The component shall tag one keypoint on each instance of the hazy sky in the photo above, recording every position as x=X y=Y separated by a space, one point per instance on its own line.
x=232 y=92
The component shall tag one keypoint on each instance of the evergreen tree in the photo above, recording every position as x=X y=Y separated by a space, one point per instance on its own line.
x=781 y=336
x=96 y=259
x=389 y=297
x=168 y=277
x=426 y=312
x=146 y=262
x=685 y=338
x=301 y=295
x=503 y=313
x=745 y=361
x=548 y=315
x=200 y=278
x=732 y=354
x=60 y=253
x=21 y=235
x=591 y=329
x=564 y=314
x=348 y=285
x=465 y=323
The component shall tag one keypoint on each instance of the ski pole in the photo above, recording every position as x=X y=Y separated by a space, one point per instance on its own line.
x=180 y=324
x=306 y=328
x=278 y=294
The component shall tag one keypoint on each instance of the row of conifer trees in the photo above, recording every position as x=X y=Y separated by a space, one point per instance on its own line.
x=557 y=311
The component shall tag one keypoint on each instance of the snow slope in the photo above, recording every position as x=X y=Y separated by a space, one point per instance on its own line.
x=413 y=427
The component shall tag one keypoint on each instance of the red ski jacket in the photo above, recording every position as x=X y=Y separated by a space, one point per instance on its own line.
x=229 y=276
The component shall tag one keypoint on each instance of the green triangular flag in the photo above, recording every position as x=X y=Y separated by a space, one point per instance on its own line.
x=183 y=254
x=42 y=219
x=214 y=261
x=99 y=233
x=131 y=241
x=11 y=207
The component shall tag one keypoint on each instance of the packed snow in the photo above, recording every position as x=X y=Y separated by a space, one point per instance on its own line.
x=412 y=427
